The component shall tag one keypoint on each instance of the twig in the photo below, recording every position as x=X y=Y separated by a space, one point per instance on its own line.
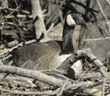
x=11 y=9
x=31 y=93
x=18 y=78
x=54 y=13
x=2 y=46
x=101 y=10
x=59 y=12
x=50 y=27
x=86 y=7
x=79 y=54
x=12 y=43
x=19 y=16
x=44 y=11
x=53 y=73
x=62 y=89
x=45 y=15
x=1 y=28
x=103 y=87
x=1 y=63
x=32 y=74
x=16 y=3
x=83 y=85
x=90 y=75
x=30 y=41
x=4 y=58
x=96 y=39
x=19 y=45
x=97 y=62
x=108 y=1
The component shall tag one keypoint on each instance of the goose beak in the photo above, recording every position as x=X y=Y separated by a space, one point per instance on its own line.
x=84 y=23
x=79 y=20
x=76 y=19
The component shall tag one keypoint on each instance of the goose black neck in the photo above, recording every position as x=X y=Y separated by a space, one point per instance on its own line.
x=67 y=46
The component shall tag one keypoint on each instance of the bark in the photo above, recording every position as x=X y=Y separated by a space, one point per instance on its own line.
x=64 y=84
x=38 y=20
x=19 y=79
x=5 y=4
x=32 y=74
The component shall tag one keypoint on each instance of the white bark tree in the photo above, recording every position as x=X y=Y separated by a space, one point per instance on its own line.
x=38 y=17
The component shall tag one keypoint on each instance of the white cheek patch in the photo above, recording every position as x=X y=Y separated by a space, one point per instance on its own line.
x=70 y=20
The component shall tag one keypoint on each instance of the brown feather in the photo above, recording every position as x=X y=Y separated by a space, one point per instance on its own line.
x=37 y=56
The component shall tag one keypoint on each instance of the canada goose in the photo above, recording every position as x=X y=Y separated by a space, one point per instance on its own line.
x=49 y=55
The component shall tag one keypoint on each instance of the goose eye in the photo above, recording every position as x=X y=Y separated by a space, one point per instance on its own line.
x=70 y=21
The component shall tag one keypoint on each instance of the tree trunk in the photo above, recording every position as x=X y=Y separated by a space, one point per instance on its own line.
x=5 y=4
x=39 y=21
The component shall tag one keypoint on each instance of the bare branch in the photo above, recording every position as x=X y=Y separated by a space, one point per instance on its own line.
x=17 y=9
x=59 y=12
x=108 y=1
x=96 y=39
x=50 y=27
x=32 y=74
x=18 y=78
x=18 y=45
x=63 y=68
x=102 y=12
x=62 y=89
x=103 y=87
x=39 y=21
x=44 y=11
x=83 y=85
x=31 y=93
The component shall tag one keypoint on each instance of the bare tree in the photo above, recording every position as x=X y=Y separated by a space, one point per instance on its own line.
x=38 y=18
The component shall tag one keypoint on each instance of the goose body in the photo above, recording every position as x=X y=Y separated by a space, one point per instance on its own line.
x=49 y=55
x=39 y=56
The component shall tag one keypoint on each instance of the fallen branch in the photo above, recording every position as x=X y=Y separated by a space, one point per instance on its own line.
x=31 y=93
x=31 y=74
x=13 y=43
x=64 y=83
x=11 y=9
x=18 y=78
x=18 y=45
x=79 y=54
x=97 y=62
x=19 y=16
x=62 y=88
x=91 y=75
x=103 y=87
x=83 y=85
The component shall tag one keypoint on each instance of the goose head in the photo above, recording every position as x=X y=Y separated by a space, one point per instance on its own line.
x=71 y=20
x=75 y=19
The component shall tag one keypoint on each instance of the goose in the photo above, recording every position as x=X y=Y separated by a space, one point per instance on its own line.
x=50 y=54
